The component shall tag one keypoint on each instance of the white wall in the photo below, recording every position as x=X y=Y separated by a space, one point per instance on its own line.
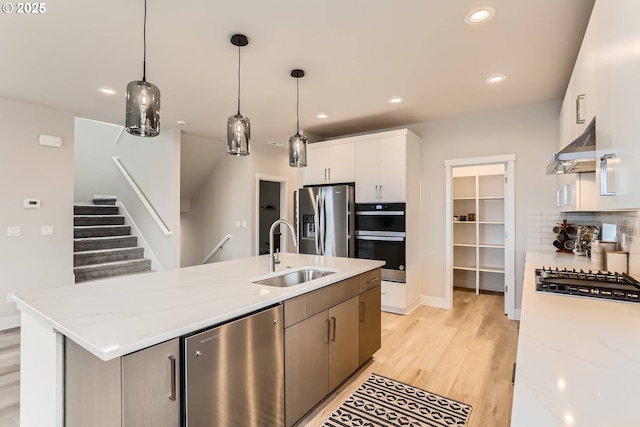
x=93 y=167
x=29 y=170
x=154 y=165
x=530 y=132
x=228 y=195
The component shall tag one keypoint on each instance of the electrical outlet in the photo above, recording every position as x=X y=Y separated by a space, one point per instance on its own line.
x=46 y=230
x=237 y=224
x=14 y=231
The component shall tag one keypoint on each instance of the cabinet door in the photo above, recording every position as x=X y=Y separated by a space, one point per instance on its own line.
x=393 y=170
x=344 y=341
x=626 y=104
x=151 y=387
x=568 y=192
x=318 y=159
x=306 y=359
x=367 y=171
x=370 y=317
x=342 y=163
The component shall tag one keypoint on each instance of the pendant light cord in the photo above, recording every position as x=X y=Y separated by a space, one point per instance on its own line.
x=297 y=106
x=238 y=79
x=144 y=43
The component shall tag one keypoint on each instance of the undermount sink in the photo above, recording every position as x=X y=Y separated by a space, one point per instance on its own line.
x=294 y=277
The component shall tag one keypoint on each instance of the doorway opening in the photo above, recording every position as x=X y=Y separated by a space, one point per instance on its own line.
x=271 y=205
x=480 y=227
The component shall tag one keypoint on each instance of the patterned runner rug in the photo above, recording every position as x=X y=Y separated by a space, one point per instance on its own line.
x=383 y=402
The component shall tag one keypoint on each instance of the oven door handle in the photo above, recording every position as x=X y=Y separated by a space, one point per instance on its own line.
x=380 y=213
x=381 y=238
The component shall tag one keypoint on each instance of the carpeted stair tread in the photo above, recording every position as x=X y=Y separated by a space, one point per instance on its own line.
x=98 y=271
x=81 y=220
x=101 y=230
x=107 y=255
x=90 y=209
x=99 y=243
x=104 y=200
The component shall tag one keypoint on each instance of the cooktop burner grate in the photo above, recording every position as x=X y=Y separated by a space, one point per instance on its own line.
x=593 y=284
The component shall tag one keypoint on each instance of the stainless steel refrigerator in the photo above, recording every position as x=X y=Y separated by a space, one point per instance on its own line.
x=325 y=218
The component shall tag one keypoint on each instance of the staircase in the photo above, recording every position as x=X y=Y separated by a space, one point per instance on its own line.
x=103 y=246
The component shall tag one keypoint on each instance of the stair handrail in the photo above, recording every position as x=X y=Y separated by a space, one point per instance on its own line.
x=219 y=246
x=143 y=199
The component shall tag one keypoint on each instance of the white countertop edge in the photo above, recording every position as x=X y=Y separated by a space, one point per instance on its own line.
x=292 y=291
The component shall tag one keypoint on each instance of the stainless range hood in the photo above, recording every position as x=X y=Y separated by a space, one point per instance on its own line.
x=579 y=156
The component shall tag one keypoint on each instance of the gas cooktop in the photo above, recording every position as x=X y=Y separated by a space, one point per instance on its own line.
x=592 y=284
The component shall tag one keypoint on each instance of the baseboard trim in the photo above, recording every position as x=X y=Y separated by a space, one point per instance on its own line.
x=437 y=302
x=9 y=322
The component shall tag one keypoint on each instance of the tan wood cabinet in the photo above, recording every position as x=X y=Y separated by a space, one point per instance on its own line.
x=139 y=389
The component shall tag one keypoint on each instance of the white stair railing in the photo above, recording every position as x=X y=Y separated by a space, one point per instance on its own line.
x=219 y=246
x=145 y=202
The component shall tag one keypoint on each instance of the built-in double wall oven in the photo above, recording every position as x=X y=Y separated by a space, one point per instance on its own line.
x=381 y=235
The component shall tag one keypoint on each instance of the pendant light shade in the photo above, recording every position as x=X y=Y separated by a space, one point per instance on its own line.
x=238 y=125
x=143 y=99
x=298 y=142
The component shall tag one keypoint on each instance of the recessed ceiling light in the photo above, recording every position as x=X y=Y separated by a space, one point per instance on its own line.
x=479 y=15
x=275 y=144
x=496 y=78
x=322 y=115
x=107 y=91
x=181 y=123
x=395 y=100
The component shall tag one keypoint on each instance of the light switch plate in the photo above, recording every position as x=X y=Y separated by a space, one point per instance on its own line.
x=14 y=231
x=237 y=224
x=244 y=224
x=46 y=230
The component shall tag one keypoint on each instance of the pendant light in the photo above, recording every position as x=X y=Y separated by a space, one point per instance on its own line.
x=297 y=143
x=238 y=125
x=143 y=99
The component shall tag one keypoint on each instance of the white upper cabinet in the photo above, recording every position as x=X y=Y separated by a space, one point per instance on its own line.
x=381 y=165
x=330 y=162
x=605 y=83
x=618 y=104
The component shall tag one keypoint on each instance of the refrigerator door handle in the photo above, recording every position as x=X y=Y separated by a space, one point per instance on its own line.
x=322 y=224
x=316 y=223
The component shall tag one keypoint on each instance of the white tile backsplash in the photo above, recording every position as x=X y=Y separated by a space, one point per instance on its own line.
x=541 y=222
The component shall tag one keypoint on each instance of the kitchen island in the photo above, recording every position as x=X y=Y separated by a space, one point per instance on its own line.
x=578 y=361
x=115 y=317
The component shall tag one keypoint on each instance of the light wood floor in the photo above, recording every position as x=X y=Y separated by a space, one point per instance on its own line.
x=10 y=377
x=465 y=354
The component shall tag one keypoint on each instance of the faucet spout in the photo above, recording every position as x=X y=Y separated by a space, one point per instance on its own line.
x=273 y=259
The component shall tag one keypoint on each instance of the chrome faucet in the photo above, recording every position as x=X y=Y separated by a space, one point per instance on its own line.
x=274 y=258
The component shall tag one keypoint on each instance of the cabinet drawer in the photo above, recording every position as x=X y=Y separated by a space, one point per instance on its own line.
x=304 y=306
x=369 y=280
x=394 y=295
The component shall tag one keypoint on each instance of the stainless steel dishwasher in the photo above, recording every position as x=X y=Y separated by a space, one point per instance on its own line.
x=234 y=373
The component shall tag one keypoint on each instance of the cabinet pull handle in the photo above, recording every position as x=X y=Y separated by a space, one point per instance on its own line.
x=361 y=311
x=375 y=193
x=373 y=280
x=566 y=195
x=325 y=174
x=604 y=175
x=513 y=374
x=327 y=337
x=559 y=198
x=329 y=174
x=333 y=328
x=380 y=193
x=172 y=360
x=579 y=118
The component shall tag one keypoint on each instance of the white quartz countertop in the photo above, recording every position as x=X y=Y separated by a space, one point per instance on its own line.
x=578 y=360
x=114 y=317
